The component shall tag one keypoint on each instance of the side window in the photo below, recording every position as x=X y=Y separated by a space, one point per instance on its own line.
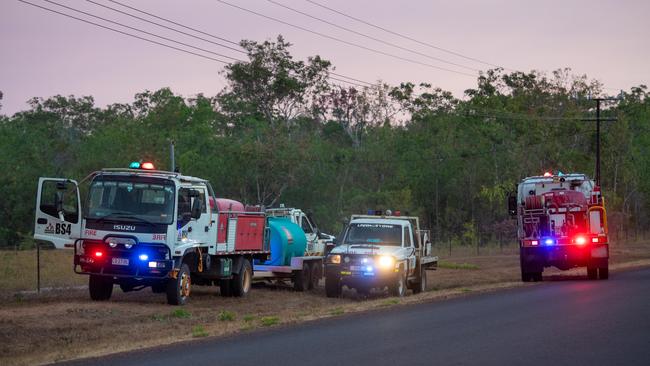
x=184 y=201
x=407 y=237
x=49 y=192
x=204 y=207
x=306 y=226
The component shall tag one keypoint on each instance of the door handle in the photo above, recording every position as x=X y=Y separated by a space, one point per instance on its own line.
x=41 y=221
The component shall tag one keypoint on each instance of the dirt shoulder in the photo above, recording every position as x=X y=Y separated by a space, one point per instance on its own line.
x=64 y=324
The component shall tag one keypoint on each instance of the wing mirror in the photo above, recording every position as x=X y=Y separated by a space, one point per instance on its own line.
x=512 y=205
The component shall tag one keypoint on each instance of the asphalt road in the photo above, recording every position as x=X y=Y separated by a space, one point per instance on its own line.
x=561 y=322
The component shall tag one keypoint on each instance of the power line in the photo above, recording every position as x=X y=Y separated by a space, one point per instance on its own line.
x=371 y=37
x=124 y=33
x=166 y=27
x=344 y=41
x=143 y=31
x=149 y=40
x=208 y=34
x=173 y=22
x=403 y=36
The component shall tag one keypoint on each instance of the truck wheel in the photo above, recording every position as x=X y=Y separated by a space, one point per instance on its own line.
x=592 y=273
x=100 y=288
x=302 y=278
x=421 y=286
x=225 y=288
x=333 y=286
x=399 y=287
x=603 y=273
x=316 y=274
x=178 y=289
x=525 y=275
x=241 y=282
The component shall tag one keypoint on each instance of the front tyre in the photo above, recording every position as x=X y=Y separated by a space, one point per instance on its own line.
x=333 y=286
x=100 y=288
x=421 y=286
x=592 y=273
x=399 y=287
x=178 y=289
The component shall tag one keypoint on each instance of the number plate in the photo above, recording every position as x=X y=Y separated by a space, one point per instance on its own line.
x=120 y=261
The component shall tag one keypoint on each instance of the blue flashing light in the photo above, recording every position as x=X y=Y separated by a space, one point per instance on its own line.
x=369 y=269
x=549 y=241
x=144 y=257
x=364 y=260
x=134 y=165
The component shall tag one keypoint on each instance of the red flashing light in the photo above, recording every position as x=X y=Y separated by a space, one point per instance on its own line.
x=594 y=240
x=548 y=174
x=581 y=240
x=99 y=254
x=534 y=242
x=148 y=166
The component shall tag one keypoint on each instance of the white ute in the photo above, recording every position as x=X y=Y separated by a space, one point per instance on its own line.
x=379 y=251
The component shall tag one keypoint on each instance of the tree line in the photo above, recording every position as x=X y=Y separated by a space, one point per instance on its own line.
x=282 y=132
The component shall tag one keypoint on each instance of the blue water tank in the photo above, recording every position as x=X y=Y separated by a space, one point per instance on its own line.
x=286 y=240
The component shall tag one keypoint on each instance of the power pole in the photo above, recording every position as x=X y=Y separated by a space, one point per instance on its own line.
x=598 y=120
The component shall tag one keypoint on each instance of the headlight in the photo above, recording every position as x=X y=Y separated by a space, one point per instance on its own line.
x=386 y=262
x=334 y=259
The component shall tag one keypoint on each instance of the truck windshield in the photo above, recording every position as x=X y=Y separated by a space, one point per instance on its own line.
x=374 y=234
x=131 y=199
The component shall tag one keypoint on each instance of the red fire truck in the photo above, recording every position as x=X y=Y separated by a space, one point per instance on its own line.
x=561 y=222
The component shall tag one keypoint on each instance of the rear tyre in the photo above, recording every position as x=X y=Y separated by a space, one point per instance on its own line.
x=333 y=286
x=225 y=288
x=537 y=276
x=178 y=289
x=399 y=286
x=302 y=278
x=100 y=288
x=241 y=282
x=592 y=273
x=603 y=273
x=316 y=274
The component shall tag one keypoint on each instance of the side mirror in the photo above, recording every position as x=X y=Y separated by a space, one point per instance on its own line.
x=512 y=205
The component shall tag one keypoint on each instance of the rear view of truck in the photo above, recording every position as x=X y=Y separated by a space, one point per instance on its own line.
x=561 y=222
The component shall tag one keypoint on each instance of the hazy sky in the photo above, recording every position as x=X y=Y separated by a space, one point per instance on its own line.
x=45 y=54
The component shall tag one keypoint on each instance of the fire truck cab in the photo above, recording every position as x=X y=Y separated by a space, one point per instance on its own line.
x=561 y=222
x=141 y=227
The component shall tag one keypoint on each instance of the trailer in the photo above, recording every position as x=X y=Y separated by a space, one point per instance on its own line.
x=304 y=268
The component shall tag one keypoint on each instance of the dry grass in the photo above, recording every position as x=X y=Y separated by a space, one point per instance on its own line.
x=64 y=324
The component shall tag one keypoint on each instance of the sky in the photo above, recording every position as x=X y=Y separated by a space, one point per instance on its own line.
x=45 y=54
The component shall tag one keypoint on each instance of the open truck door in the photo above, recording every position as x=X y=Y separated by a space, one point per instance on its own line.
x=58 y=212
